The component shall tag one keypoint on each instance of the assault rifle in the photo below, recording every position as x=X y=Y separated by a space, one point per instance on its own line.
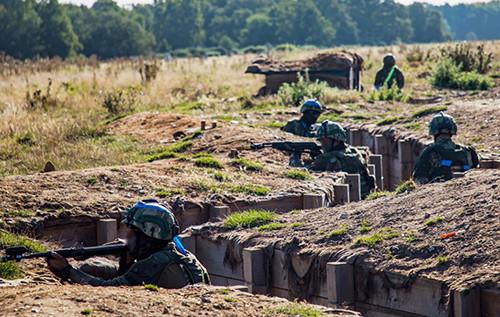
x=294 y=149
x=20 y=253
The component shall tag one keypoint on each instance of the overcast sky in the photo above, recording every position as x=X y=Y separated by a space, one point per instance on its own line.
x=122 y=2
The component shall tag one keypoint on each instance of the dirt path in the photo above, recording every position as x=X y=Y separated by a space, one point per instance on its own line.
x=68 y=300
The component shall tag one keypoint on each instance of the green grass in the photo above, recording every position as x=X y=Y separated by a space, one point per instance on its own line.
x=249 y=219
x=429 y=110
x=298 y=174
x=86 y=311
x=342 y=230
x=163 y=192
x=230 y=299
x=92 y=181
x=365 y=226
x=297 y=310
x=152 y=287
x=389 y=120
x=17 y=213
x=441 y=260
x=8 y=240
x=376 y=195
x=274 y=124
x=250 y=189
x=296 y=225
x=406 y=186
x=204 y=186
x=248 y=165
x=412 y=126
x=377 y=237
x=208 y=161
x=271 y=226
x=10 y=271
x=220 y=177
x=223 y=291
x=202 y=154
x=170 y=151
x=433 y=221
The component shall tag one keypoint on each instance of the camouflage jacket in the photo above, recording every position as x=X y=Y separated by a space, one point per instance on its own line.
x=167 y=268
x=299 y=127
x=396 y=76
x=439 y=160
x=348 y=160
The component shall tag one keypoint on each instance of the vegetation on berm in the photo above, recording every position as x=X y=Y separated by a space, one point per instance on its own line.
x=47 y=28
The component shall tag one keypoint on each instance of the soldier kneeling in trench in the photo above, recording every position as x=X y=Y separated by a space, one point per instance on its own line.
x=154 y=255
x=338 y=156
x=440 y=159
x=311 y=109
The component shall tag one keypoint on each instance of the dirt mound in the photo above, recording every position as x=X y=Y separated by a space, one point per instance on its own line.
x=155 y=127
x=67 y=300
x=325 y=61
x=453 y=236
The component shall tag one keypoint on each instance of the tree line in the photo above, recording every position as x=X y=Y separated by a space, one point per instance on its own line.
x=48 y=28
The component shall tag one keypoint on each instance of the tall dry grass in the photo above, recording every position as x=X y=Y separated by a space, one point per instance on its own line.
x=70 y=129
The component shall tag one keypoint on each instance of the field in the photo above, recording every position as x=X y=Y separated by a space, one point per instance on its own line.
x=115 y=135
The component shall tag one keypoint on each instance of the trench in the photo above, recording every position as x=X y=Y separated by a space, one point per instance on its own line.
x=331 y=280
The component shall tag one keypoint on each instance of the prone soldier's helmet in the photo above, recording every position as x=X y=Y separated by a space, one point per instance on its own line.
x=389 y=60
x=312 y=105
x=152 y=219
x=442 y=123
x=330 y=129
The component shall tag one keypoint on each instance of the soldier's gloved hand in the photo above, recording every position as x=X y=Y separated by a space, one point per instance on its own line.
x=58 y=265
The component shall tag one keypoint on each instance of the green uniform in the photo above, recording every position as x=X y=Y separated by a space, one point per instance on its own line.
x=167 y=268
x=440 y=159
x=348 y=160
x=382 y=75
x=299 y=127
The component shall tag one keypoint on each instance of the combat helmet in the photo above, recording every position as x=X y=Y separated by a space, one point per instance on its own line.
x=442 y=123
x=311 y=104
x=152 y=219
x=332 y=130
x=389 y=60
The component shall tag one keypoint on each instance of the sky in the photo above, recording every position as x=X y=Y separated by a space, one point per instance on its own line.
x=124 y=2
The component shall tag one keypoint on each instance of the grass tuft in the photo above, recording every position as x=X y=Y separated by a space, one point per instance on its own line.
x=249 y=219
x=376 y=238
x=296 y=310
x=441 y=260
x=376 y=195
x=342 y=230
x=163 y=192
x=298 y=174
x=10 y=271
x=427 y=111
x=250 y=189
x=208 y=161
x=8 y=240
x=433 y=221
x=86 y=311
x=248 y=164
x=152 y=287
x=220 y=177
x=271 y=226
x=17 y=213
x=406 y=186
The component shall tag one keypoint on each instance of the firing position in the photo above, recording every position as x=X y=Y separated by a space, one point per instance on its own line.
x=155 y=255
x=440 y=159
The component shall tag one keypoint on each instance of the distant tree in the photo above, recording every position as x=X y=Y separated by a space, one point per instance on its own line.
x=56 y=32
x=19 y=36
x=258 y=30
x=178 y=23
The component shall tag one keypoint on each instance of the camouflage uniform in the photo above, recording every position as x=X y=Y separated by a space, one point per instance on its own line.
x=348 y=159
x=167 y=268
x=439 y=160
x=170 y=267
x=299 y=127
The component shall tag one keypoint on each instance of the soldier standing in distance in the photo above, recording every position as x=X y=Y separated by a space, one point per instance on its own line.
x=439 y=160
x=388 y=74
x=338 y=156
x=311 y=110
